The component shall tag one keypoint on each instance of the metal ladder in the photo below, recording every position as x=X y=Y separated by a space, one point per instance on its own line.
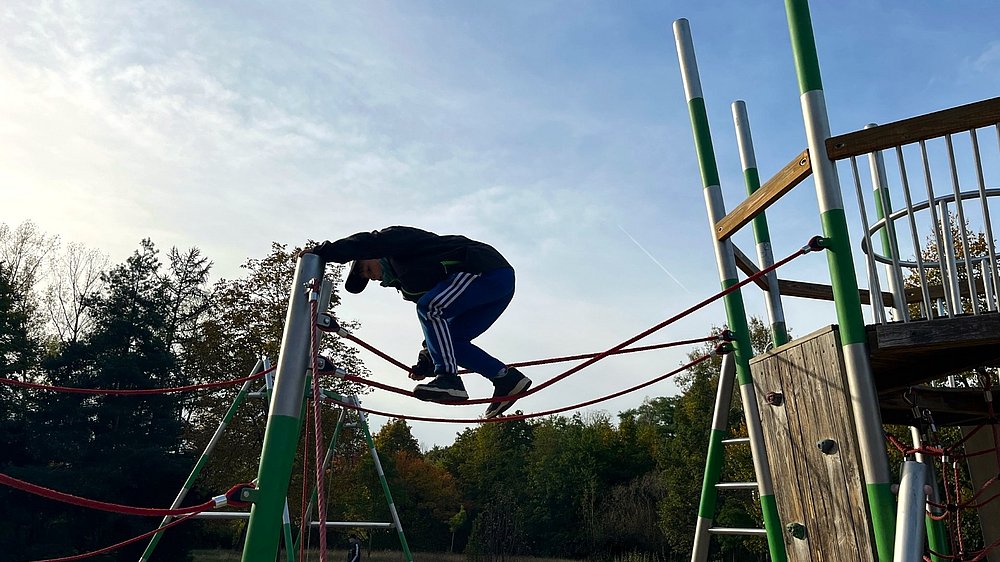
x=713 y=465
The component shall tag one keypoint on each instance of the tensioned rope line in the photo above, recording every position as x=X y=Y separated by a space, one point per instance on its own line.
x=405 y=392
x=113 y=547
x=132 y=391
x=231 y=497
x=517 y=417
x=317 y=421
x=816 y=243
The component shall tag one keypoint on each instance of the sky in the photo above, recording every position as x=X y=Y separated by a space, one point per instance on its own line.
x=557 y=131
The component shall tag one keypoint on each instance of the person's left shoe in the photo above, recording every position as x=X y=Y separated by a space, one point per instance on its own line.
x=509 y=385
x=444 y=388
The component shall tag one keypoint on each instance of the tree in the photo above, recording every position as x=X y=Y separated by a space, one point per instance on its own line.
x=76 y=278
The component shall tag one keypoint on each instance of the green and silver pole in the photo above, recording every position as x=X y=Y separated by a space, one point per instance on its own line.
x=284 y=420
x=735 y=311
x=864 y=400
x=202 y=460
x=890 y=243
x=286 y=518
x=363 y=421
x=765 y=257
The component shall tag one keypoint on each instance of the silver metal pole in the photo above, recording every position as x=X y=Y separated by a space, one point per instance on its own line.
x=948 y=262
x=962 y=230
x=914 y=236
x=883 y=203
x=910 y=534
x=874 y=288
x=936 y=227
x=989 y=281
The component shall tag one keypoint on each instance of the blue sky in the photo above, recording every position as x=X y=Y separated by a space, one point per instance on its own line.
x=556 y=131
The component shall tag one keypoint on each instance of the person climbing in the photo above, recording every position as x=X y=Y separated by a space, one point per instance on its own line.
x=354 y=549
x=460 y=287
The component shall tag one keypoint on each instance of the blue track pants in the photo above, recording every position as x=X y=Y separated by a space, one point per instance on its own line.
x=459 y=309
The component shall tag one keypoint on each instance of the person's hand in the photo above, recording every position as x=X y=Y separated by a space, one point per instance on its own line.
x=424 y=367
x=306 y=250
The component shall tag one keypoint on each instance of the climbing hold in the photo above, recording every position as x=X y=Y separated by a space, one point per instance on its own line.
x=827 y=446
x=774 y=398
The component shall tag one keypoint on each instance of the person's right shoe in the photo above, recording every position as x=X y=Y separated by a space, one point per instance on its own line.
x=443 y=388
x=509 y=385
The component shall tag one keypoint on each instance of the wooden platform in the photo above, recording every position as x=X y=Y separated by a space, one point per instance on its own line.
x=905 y=355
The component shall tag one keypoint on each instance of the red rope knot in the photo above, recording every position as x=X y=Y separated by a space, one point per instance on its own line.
x=816 y=244
x=235 y=497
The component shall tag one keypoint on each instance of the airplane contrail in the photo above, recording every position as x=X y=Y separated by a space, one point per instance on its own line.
x=656 y=261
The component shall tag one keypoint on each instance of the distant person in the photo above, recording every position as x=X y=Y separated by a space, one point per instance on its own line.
x=353 y=549
x=461 y=287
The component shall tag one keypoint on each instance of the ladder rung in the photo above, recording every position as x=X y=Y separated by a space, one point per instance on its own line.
x=357 y=524
x=737 y=531
x=735 y=440
x=736 y=486
x=222 y=515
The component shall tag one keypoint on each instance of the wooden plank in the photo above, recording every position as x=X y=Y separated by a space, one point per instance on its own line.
x=819 y=291
x=923 y=127
x=824 y=492
x=788 y=177
x=746 y=265
x=788 y=488
x=941 y=333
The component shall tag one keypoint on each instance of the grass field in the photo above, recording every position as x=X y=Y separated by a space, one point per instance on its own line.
x=335 y=555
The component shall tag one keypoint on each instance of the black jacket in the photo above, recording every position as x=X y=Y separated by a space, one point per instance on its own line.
x=419 y=259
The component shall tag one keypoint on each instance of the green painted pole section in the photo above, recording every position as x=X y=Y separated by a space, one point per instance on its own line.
x=726 y=262
x=284 y=421
x=202 y=461
x=713 y=471
x=864 y=400
x=363 y=420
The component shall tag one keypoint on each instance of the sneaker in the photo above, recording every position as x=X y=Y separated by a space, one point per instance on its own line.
x=509 y=385
x=443 y=388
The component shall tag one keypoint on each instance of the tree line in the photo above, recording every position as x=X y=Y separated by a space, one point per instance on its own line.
x=600 y=486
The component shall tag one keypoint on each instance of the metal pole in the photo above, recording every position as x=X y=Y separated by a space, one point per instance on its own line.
x=962 y=230
x=284 y=420
x=202 y=460
x=765 y=258
x=715 y=459
x=914 y=237
x=875 y=289
x=890 y=243
x=363 y=420
x=726 y=262
x=937 y=537
x=864 y=400
x=909 y=545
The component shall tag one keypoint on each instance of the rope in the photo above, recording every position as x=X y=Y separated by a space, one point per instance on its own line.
x=815 y=243
x=107 y=549
x=317 y=421
x=119 y=508
x=131 y=392
x=517 y=417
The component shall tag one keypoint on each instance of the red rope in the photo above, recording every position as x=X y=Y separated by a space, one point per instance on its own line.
x=618 y=348
x=523 y=416
x=132 y=392
x=318 y=426
x=99 y=505
x=107 y=549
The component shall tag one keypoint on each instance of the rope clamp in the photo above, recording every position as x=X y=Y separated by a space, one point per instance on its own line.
x=727 y=335
x=240 y=495
x=817 y=244
x=311 y=290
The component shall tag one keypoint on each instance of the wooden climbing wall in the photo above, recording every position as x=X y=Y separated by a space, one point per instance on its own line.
x=821 y=492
